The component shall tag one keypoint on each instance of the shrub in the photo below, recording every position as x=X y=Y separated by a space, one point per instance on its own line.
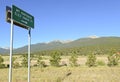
x=73 y=60
x=55 y=59
x=113 y=60
x=1 y=59
x=25 y=60
x=91 y=60
x=40 y=62
x=1 y=62
x=15 y=64
x=2 y=65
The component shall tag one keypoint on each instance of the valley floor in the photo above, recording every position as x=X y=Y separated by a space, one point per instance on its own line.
x=81 y=73
x=64 y=74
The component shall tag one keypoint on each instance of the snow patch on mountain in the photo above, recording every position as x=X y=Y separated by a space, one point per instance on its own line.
x=93 y=37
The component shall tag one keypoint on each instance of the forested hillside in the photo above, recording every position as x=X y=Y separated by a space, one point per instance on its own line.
x=83 y=46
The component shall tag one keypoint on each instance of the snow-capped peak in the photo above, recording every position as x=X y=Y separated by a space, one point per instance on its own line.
x=93 y=37
x=61 y=41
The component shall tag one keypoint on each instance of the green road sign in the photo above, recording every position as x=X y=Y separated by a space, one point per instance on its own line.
x=22 y=17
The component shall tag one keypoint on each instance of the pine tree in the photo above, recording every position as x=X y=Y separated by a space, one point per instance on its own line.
x=73 y=60
x=55 y=59
x=91 y=60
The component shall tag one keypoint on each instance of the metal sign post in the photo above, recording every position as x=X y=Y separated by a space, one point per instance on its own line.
x=29 y=49
x=22 y=19
x=11 y=52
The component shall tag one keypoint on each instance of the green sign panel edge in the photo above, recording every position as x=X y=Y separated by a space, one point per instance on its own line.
x=22 y=17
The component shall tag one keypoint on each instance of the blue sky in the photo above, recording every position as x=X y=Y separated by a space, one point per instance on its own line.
x=62 y=20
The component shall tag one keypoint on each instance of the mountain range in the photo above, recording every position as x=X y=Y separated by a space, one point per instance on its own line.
x=111 y=42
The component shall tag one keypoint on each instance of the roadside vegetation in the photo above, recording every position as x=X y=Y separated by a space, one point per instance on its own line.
x=57 y=67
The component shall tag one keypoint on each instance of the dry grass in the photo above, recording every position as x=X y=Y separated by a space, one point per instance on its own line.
x=53 y=74
x=65 y=73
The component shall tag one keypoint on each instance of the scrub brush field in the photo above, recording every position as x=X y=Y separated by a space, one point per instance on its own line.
x=81 y=73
